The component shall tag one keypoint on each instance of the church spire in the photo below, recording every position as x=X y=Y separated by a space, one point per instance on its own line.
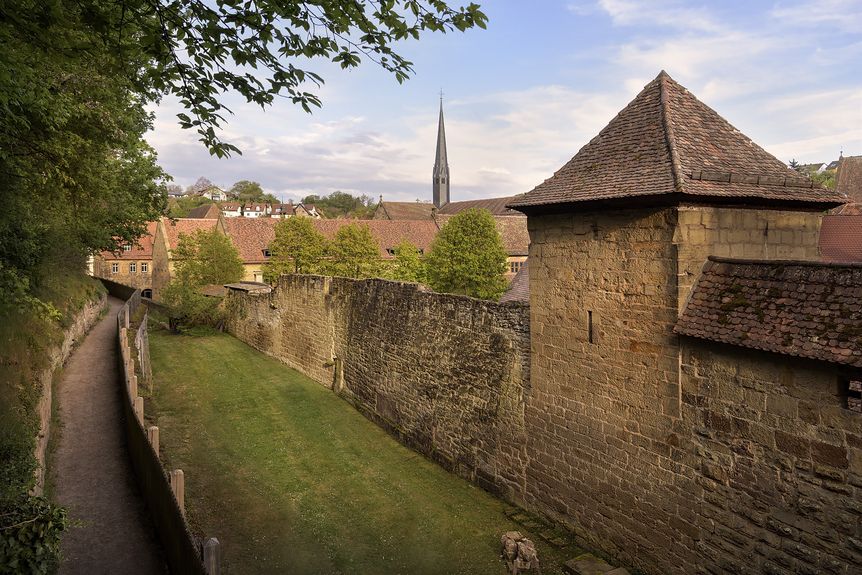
x=441 y=164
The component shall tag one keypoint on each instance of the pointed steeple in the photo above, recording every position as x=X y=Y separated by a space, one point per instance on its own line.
x=441 y=165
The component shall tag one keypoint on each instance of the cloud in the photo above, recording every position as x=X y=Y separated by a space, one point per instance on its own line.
x=529 y=135
x=663 y=13
x=837 y=15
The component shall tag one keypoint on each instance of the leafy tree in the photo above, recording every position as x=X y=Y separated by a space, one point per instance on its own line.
x=354 y=253
x=341 y=204
x=246 y=191
x=180 y=207
x=199 y=186
x=173 y=189
x=203 y=258
x=825 y=178
x=297 y=248
x=408 y=265
x=467 y=257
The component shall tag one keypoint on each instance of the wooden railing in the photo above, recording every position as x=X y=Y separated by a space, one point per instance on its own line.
x=163 y=491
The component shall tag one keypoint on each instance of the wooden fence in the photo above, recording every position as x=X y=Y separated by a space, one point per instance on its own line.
x=163 y=491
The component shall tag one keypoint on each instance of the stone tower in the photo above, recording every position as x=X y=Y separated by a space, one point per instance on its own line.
x=441 y=165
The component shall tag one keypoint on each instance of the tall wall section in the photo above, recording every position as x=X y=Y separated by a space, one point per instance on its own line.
x=447 y=375
x=673 y=456
x=605 y=410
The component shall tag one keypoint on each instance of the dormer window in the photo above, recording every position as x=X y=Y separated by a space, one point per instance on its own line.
x=127 y=248
x=267 y=253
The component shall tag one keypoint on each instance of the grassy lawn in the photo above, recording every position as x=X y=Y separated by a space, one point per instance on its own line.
x=292 y=479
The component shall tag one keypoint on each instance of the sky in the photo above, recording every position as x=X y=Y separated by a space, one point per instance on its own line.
x=522 y=97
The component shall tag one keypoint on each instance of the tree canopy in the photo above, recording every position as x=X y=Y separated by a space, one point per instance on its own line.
x=467 y=257
x=408 y=265
x=354 y=253
x=203 y=258
x=297 y=248
x=341 y=204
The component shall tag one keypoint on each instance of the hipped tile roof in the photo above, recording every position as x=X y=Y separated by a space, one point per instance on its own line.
x=141 y=250
x=188 y=226
x=804 y=309
x=497 y=206
x=667 y=143
x=403 y=211
x=841 y=239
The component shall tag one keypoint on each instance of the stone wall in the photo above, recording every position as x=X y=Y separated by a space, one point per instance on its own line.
x=777 y=459
x=624 y=452
x=604 y=377
x=447 y=375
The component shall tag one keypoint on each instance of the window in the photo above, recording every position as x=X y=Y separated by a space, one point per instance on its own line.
x=133 y=267
x=515 y=267
x=115 y=268
x=854 y=395
x=267 y=253
x=127 y=248
x=258 y=276
x=145 y=267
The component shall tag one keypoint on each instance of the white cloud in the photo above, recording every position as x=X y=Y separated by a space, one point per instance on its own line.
x=664 y=13
x=838 y=15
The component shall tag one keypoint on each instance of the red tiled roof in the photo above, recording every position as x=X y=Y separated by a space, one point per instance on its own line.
x=668 y=143
x=387 y=233
x=141 y=250
x=519 y=289
x=497 y=206
x=403 y=211
x=173 y=228
x=253 y=235
x=804 y=309
x=841 y=238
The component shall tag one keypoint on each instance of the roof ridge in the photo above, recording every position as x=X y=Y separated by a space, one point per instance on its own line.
x=806 y=263
x=675 y=164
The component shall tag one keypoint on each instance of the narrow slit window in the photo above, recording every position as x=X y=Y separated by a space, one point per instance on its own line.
x=590 y=326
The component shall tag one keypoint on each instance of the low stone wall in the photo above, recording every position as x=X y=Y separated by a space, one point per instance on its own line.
x=445 y=374
x=82 y=323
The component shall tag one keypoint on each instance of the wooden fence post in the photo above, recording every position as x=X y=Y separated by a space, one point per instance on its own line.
x=212 y=557
x=139 y=409
x=178 y=484
x=133 y=386
x=153 y=437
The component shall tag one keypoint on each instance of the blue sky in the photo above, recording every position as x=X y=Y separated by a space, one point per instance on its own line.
x=524 y=95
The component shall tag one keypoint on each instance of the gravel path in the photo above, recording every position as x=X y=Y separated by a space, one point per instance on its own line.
x=93 y=475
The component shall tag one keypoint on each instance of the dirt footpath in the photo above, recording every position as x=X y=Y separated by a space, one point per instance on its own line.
x=92 y=473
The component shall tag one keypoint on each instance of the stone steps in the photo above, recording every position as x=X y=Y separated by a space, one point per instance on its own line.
x=588 y=564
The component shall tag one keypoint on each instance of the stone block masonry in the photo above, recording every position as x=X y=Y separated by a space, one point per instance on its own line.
x=445 y=374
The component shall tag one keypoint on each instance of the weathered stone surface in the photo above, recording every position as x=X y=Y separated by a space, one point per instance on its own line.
x=587 y=564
